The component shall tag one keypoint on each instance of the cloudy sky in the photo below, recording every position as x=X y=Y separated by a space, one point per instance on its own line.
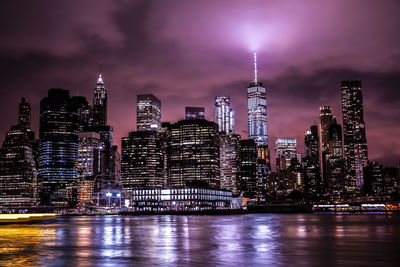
x=187 y=52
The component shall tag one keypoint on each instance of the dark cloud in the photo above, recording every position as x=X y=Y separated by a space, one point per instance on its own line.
x=188 y=52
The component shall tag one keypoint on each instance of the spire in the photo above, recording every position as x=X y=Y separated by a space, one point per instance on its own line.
x=100 y=79
x=255 y=67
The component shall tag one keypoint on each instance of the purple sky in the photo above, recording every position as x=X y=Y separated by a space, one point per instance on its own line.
x=187 y=52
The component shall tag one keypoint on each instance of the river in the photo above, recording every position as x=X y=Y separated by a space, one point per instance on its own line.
x=234 y=240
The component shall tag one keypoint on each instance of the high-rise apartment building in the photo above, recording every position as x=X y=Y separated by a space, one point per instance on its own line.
x=354 y=137
x=334 y=160
x=58 y=148
x=88 y=154
x=148 y=113
x=311 y=144
x=84 y=110
x=194 y=153
x=194 y=113
x=224 y=115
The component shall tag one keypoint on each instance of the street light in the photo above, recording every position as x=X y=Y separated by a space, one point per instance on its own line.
x=108 y=194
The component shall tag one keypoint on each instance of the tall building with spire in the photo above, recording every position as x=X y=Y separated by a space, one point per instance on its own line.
x=257 y=109
x=100 y=103
x=354 y=137
x=224 y=115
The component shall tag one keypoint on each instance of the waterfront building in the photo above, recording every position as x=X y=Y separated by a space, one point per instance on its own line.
x=354 y=137
x=194 y=113
x=224 y=115
x=180 y=199
x=248 y=167
x=148 y=113
x=285 y=151
x=230 y=162
x=194 y=153
x=142 y=160
x=58 y=148
x=100 y=103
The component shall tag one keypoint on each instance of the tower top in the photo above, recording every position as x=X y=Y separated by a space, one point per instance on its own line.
x=255 y=67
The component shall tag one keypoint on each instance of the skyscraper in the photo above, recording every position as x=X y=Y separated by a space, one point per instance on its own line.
x=58 y=148
x=88 y=154
x=325 y=118
x=334 y=160
x=248 y=167
x=194 y=113
x=148 y=113
x=312 y=172
x=224 y=115
x=285 y=151
x=18 y=175
x=84 y=110
x=142 y=160
x=230 y=162
x=311 y=144
x=354 y=137
x=257 y=110
x=194 y=153
x=24 y=114
x=100 y=103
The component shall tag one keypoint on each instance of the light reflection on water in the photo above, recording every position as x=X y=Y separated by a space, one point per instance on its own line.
x=237 y=240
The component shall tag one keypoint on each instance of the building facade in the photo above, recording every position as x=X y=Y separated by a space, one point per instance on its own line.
x=224 y=115
x=148 y=113
x=194 y=153
x=354 y=137
x=58 y=148
x=194 y=113
x=230 y=162
x=285 y=151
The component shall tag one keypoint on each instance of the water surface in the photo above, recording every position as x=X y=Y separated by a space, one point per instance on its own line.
x=237 y=240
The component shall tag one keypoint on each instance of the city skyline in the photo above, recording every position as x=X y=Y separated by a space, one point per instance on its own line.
x=293 y=97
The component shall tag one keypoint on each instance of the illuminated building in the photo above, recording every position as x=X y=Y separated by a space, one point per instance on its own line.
x=142 y=160
x=148 y=113
x=311 y=144
x=230 y=162
x=194 y=153
x=58 y=148
x=84 y=111
x=285 y=151
x=312 y=172
x=88 y=150
x=354 y=139
x=334 y=160
x=180 y=199
x=325 y=118
x=224 y=115
x=24 y=114
x=18 y=175
x=257 y=110
x=248 y=167
x=194 y=113
x=100 y=103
